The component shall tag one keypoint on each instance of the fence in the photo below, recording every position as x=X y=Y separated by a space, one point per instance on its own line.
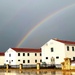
x=33 y=66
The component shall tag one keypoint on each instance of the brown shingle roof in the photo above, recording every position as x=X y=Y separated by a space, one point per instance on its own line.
x=26 y=50
x=1 y=54
x=65 y=42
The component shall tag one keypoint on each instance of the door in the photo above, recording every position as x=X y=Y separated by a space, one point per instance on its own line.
x=52 y=60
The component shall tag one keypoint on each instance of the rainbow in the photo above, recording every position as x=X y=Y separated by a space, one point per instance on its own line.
x=43 y=21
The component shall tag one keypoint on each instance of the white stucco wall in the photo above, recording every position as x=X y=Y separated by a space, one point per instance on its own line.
x=31 y=58
x=58 y=51
x=10 y=59
x=1 y=60
x=70 y=53
x=14 y=57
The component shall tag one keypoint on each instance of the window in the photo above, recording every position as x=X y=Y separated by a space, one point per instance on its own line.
x=72 y=48
x=18 y=60
x=18 y=54
x=35 y=61
x=57 y=57
x=23 y=54
x=52 y=50
x=28 y=61
x=40 y=60
x=40 y=54
x=23 y=61
x=27 y=54
x=9 y=55
x=73 y=58
x=6 y=60
x=67 y=48
x=35 y=54
x=46 y=57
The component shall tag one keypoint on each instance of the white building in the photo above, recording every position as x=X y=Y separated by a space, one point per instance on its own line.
x=1 y=58
x=55 y=50
x=25 y=56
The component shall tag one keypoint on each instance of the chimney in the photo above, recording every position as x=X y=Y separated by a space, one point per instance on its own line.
x=55 y=38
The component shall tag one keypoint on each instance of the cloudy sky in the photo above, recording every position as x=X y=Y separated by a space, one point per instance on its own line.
x=36 y=20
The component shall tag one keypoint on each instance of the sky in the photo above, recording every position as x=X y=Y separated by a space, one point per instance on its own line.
x=32 y=23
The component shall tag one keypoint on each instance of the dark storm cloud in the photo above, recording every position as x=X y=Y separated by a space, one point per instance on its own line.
x=18 y=17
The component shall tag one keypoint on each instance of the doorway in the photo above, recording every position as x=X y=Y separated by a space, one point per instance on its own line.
x=52 y=61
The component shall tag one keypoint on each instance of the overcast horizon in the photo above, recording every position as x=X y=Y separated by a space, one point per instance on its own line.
x=38 y=20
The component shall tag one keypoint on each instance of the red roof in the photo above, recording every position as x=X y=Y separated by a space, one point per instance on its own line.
x=26 y=50
x=1 y=54
x=66 y=42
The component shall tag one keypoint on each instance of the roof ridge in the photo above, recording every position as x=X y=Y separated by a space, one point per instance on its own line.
x=65 y=41
x=26 y=50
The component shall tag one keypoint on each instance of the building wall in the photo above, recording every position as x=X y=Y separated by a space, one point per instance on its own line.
x=70 y=53
x=58 y=52
x=1 y=60
x=10 y=57
x=31 y=59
